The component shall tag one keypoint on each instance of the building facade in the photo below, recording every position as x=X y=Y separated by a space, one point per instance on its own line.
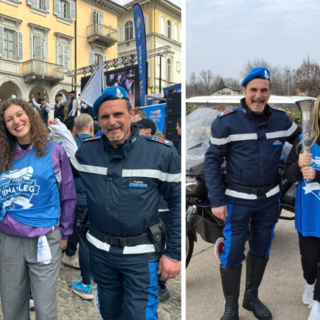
x=163 y=27
x=40 y=40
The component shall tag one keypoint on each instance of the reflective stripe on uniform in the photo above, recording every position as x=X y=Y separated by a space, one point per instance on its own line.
x=142 y=248
x=248 y=196
x=233 y=138
x=281 y=134
x=273 y=191
x=150 y=173
x=88 y=169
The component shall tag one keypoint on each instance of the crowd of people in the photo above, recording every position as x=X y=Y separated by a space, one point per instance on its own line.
x=64 y=186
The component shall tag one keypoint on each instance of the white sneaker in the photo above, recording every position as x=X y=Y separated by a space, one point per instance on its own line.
x=315 y=311
x=307 y=296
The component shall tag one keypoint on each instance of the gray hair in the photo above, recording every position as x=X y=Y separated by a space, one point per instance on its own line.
x=82 y=122
x=129 y=106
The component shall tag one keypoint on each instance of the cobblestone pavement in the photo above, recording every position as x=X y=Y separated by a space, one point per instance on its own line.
x=72 y=307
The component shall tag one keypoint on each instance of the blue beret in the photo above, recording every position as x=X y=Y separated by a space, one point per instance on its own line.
x=260 y=72
x=110 y=93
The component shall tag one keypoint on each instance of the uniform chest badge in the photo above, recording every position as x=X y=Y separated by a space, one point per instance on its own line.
x=277 y=143
x=138 y=184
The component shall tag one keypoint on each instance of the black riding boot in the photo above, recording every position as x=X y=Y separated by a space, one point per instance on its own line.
x=231 y=287
x=251 y=302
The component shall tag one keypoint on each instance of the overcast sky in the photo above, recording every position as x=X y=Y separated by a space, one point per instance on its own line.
x=177 y=2
x=223 y=35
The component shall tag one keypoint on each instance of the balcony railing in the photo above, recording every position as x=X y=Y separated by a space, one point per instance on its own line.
x=100 y=33
x=36 y=69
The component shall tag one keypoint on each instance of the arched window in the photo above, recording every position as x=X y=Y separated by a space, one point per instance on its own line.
x=128 y=31
x=168 y=67
x=169 y=29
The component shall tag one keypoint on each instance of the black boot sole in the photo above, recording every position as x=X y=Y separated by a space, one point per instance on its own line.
x=248 y=307
x=234 y=318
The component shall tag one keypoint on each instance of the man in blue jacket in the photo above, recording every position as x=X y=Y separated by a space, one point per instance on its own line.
x=250 y=138
x=124 y=174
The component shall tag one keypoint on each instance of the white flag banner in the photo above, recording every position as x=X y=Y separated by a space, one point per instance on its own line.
x=94 y=87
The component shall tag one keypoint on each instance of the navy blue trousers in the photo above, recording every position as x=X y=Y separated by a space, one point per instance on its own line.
x=129 y=279
x=71 y=249
x=262 y=215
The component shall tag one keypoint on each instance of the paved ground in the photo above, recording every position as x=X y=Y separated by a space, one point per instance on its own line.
x=72 y=307
x=281 y=289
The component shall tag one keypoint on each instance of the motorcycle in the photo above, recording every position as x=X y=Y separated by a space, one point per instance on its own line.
x=199 y=219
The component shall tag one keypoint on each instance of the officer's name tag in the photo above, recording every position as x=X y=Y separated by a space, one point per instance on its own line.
x=277 y=143
x=138 y=184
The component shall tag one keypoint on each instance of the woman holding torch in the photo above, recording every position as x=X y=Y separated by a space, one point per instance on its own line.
x=305 y=168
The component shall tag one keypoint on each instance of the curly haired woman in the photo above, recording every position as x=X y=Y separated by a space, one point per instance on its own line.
x=305 y=168
x=37 y=197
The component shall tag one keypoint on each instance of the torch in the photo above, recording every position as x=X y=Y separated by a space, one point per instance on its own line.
x=305 y=110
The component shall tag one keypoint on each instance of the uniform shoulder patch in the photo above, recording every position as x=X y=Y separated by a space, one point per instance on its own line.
x=92 y=139
x=160 y=140
x=276 y=108
x=224 y=113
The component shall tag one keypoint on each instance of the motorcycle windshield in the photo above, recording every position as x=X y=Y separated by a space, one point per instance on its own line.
x=198 y=134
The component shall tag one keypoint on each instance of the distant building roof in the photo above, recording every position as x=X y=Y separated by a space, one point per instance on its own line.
x=225 y=87
x=131 y=3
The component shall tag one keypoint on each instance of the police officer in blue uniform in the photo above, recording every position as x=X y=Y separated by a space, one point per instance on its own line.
x=250 y=138
x=124 y=174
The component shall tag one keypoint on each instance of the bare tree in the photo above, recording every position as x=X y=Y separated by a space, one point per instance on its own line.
x=233 y=83
x=193 y=82
x=255 y=63
x=307 y=78
x=206 y=81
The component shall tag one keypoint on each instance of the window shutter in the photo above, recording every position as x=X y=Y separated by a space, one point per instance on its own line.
x=91 y=58
x=43 y=42
x=94 y=16
x=104 y=58
x=31 y=3
x=47 y=5
x=37 y=47
x=100 y=23
x=72 y=11
x=1 y=41
x=60 y=57
x=66 y=57
x=56 y=8
x=19 y=46
x=100 y=17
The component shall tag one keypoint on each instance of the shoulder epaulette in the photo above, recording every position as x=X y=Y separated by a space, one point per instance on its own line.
x=92 y=139
x=224 y=113
x=276 y=108
x=160 y=140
